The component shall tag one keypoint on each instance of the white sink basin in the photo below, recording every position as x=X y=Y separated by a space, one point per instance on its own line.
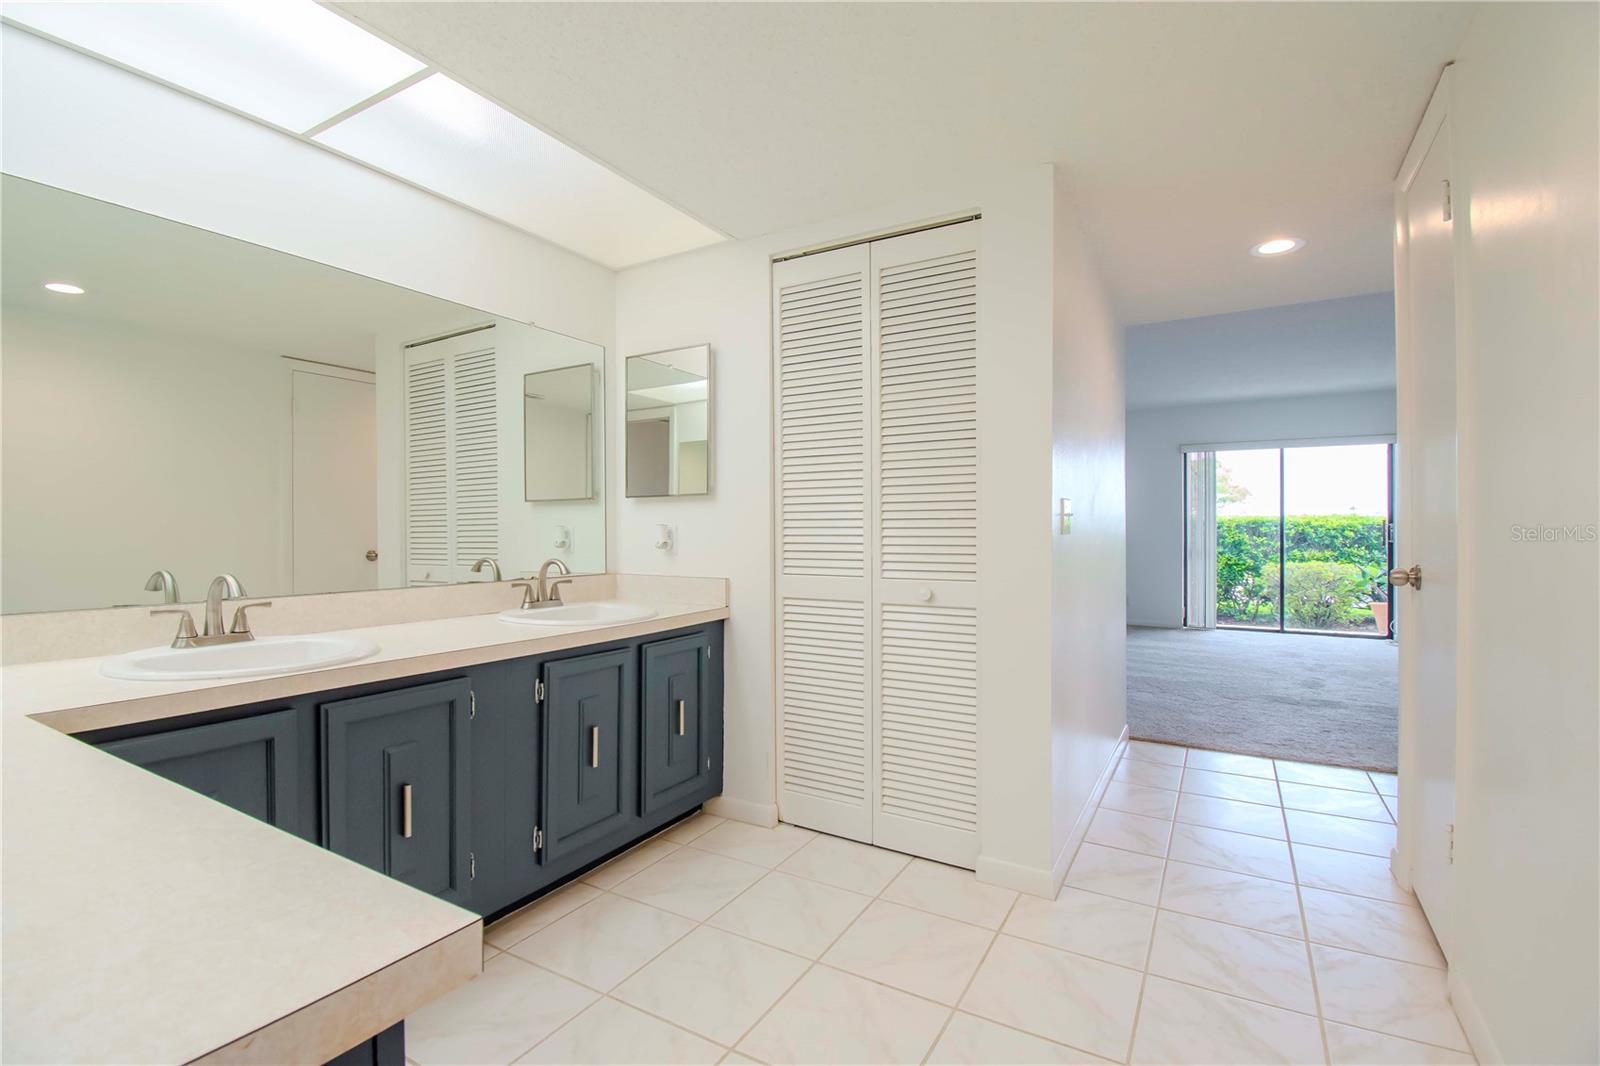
x=251 y=658
x=603 y=613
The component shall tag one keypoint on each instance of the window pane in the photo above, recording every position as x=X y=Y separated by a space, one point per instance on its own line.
x=1336 y=504
x=1247 y=538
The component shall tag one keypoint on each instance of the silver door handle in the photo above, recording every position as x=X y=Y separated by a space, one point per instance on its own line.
x=680 y=718
x=1412 y=577
x=405 y=811
x=594 y=745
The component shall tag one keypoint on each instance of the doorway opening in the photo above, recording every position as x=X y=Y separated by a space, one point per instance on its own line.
x=1290 y=539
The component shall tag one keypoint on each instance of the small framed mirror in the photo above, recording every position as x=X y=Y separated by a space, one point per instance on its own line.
x=558 y=433
x=669 y=432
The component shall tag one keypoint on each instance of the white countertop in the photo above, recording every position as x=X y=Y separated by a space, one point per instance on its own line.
x=143 y=922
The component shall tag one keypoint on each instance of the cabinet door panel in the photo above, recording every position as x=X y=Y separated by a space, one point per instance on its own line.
x=396 y=777
x=675 y=733
x=249 y=764
x=590 y=749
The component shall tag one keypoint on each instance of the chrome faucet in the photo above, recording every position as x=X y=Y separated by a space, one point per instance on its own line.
x=494 y=567
x=223 y=587
x=163 y=582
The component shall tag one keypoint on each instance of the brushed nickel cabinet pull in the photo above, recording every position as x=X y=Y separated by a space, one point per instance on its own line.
x=405 y=811
x=594 y=745
x=680 y=718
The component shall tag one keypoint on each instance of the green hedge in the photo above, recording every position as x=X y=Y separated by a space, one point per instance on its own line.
x=1334 y=566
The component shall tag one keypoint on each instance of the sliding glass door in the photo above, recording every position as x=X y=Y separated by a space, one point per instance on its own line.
x=1293 y=539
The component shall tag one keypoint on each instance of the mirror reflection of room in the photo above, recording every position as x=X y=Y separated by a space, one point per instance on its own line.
x=669 y=423
x=244 y=411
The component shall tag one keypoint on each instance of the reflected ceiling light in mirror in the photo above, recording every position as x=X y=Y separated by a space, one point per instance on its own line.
x=291 y=63
x=66 y=288
x=1277 y=246
x=444 y=137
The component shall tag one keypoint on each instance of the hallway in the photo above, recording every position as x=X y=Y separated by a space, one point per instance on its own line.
x=1316 y=699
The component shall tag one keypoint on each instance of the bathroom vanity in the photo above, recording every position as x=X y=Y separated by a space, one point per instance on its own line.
x=362 y=821
x=482 y=785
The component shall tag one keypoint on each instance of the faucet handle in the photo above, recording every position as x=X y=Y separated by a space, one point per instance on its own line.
x=241 y=622
x=529 y=600
x=553 y=592
x=186 y=631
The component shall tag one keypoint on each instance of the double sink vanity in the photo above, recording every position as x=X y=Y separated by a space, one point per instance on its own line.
x=474 y=760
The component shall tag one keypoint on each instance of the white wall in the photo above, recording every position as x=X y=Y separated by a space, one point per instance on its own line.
x=106 y=133
x=1526 y=970
x=722 y=296
x=1155 y=474
x=127 y=451
x=1089 y=690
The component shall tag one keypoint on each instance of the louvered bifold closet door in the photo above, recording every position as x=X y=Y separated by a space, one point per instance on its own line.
x=823 y=480
x=924 y=325
x=475 y=460
x=427 y=459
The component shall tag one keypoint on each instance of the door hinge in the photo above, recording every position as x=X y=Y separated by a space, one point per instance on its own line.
x=1448 y=212
x=538 y=840
x=538 y=691
x=472 y=704
x=1450 y=846
x=472 y=866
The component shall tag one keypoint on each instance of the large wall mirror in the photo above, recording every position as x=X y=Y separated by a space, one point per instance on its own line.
x=669 y=431
x=205 y=405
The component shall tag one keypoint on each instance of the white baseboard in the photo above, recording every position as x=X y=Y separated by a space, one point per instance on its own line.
x=1080 y=827
x=1472 y=1021
x=764 y=814
x=1033 y=880
x=1041 y=882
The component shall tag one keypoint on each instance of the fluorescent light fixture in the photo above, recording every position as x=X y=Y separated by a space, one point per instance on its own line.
x=64 y=287
x=291 y=63
x=1278 y=246
x=444 y=137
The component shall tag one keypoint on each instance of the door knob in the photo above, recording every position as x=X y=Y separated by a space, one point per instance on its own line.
x=372 y=555
x=1412 y=577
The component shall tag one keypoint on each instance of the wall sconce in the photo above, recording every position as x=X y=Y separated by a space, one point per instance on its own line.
x=1065 y=515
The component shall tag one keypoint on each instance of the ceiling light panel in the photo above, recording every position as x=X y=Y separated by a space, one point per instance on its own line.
x=287 y=62
x=446 y=138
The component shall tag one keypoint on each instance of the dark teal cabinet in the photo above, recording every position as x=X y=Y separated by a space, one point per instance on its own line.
x=675 y=738
x=250 y=764
x=590 y=749
x=519 y=774
x=395 y=781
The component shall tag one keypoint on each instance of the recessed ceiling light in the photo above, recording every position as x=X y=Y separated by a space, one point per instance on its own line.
x=1278 y=246
x=63 y=287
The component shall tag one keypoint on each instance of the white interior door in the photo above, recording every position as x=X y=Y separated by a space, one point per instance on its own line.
x=335 y=481
x=825 y=559
x=1426 y=529
x=924 y=383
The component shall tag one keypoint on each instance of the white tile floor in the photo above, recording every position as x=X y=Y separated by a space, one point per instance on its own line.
x=1223 y=909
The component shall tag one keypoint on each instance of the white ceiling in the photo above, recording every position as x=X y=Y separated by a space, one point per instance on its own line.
x=1190 y=131
x=1331 y=346
x=163 y=276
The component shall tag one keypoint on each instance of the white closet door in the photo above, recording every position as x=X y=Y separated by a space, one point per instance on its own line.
x=475 y=460
x=825 y=558
x=923 y=319
x=452 y=454
x=428 y=547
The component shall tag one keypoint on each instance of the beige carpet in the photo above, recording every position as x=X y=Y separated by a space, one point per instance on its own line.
x=1315 y=699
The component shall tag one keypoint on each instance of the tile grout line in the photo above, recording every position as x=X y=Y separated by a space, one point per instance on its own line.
x=1311 y=959
x=994 y=937
x=1155 y=921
